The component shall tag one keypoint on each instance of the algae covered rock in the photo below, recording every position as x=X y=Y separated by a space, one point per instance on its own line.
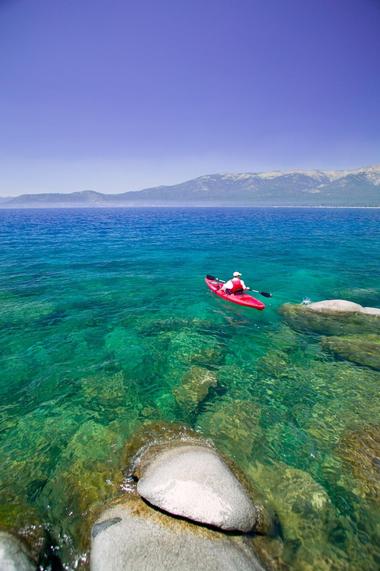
x=21 y=521
x=194 y=482
x=233 y=424
x=87 y=474
x=331 y=317
x=134 y=536
x=360 y=349
x=194 y=388
x=360 y=450
x=189 y=347
x=105 y=390
x=303 y=505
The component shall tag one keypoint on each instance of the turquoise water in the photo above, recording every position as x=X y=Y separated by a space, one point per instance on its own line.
x=105 y=324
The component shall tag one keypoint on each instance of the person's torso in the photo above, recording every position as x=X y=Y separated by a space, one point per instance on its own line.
x=236 y=284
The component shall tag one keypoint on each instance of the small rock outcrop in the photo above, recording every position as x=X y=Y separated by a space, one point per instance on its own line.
x=332 y=317
x=14 y=555
x=193 y=482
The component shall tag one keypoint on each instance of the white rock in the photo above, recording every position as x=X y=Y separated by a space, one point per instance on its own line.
x=193 y=482
x=125 y=540
x=338 y=305
x=371 y=311
x=13 y=555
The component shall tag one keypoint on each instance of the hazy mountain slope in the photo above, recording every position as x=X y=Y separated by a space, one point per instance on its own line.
x=360 y=187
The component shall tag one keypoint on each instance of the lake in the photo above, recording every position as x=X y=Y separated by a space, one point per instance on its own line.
x=104 y=313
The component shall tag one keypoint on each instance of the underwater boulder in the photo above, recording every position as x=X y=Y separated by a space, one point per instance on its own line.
x=360 y=450
x=302 y=504
x=233 y=424
x=359 y=349
x=194 y=388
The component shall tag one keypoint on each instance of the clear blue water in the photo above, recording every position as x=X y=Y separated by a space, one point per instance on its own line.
x=104 y=314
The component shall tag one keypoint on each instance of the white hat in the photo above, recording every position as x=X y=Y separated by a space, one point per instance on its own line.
x=236 y=274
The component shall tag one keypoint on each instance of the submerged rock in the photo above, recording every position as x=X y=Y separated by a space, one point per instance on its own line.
x=233 y=424
x=189 y=347
x=18 y=519
x=360 y=449
x=360 y=349
x=302 y=504
x=87 y=474
x=332 y=317
x=133 y=536
x=364 y=296
x=194 y=388
x=14 y=555
x=194 y=482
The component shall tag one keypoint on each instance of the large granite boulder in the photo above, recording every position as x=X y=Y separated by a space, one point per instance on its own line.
x=132 y=536
x=332 y=317
x=14 y=555
x=195 y=483
x=360 y=349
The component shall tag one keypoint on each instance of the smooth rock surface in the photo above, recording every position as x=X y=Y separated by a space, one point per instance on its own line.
x=13 y=555
x=335 y=305
x=371 y=311
x=139 y=539
x=193 y=482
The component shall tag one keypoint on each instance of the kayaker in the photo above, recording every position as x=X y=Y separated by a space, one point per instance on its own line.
x=235 y=284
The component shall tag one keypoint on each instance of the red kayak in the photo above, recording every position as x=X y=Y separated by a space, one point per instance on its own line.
x=239 y=298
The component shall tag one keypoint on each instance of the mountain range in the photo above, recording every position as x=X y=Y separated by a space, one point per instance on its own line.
x=315 y=188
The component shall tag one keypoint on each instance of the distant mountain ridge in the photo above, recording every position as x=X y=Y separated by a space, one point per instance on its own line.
x=356 y=187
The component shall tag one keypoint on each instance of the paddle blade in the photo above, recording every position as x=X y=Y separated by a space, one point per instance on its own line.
x=265 y=293
x=213 y=278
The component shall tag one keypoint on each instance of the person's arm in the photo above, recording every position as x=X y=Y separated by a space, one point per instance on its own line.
x=244 y=286
x=227 y=285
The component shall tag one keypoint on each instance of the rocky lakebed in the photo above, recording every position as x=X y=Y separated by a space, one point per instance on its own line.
x=154 y=493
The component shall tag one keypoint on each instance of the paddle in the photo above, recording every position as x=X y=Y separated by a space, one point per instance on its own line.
x=264 y=293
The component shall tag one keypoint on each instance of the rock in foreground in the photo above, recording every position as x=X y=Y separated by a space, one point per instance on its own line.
x=13 y=555
x=195 y=483
x=134 y=537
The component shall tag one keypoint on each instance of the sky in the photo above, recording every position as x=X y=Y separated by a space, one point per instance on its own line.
x=118 y=95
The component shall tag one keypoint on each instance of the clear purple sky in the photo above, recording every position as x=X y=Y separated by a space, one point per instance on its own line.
x=117 y=95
